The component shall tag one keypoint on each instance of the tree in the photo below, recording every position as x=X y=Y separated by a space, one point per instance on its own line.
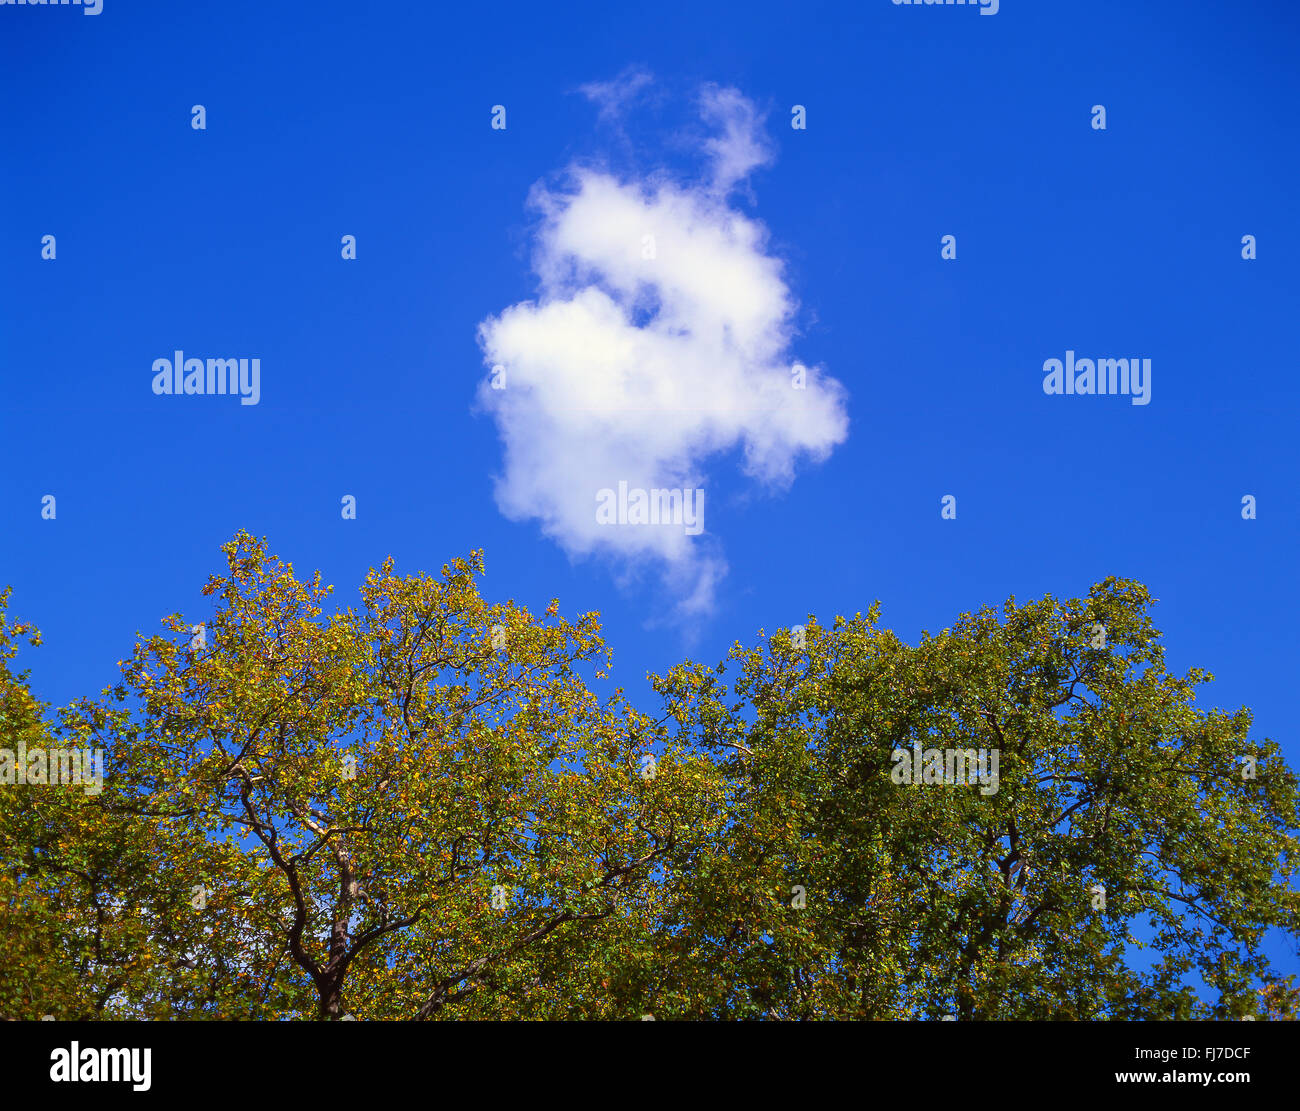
x=385 y=810
x=85 y=888
x=420 y=808
x=1121 y=817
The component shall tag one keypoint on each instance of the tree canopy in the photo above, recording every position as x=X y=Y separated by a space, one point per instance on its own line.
x=421 y=807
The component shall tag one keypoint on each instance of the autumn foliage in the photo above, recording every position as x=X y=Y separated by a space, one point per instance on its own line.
x=420 y=808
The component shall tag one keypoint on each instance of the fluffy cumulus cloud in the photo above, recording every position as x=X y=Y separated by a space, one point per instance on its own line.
x=660 y=338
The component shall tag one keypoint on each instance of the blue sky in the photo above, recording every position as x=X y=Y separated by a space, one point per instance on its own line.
x=329 y=119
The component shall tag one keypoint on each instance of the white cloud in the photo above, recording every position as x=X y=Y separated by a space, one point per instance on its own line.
x=612 y=97
x=742 y=147
x=636 y=369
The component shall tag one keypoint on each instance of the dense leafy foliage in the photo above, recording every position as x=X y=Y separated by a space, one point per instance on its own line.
x=419 y=808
